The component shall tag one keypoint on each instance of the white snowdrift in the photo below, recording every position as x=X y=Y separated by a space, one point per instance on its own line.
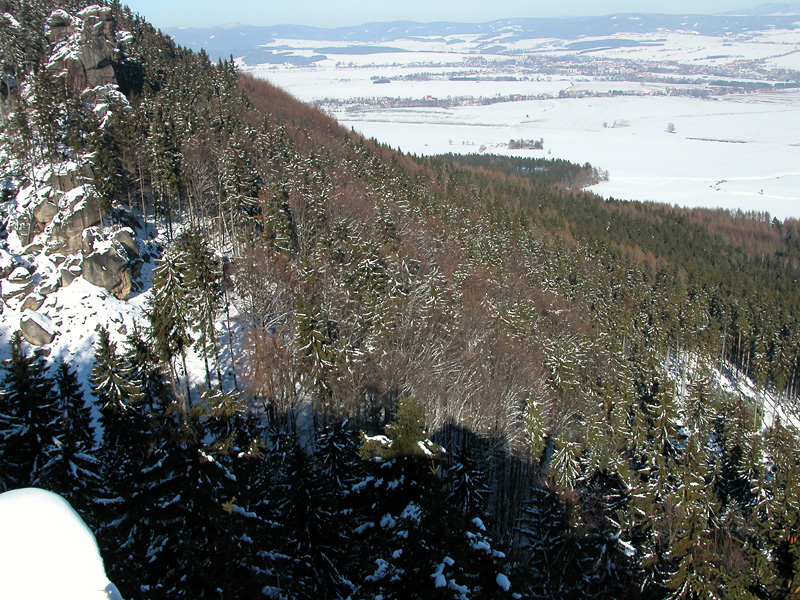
x=47 y=552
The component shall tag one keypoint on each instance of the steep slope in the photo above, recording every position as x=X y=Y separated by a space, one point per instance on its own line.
x=299 y=283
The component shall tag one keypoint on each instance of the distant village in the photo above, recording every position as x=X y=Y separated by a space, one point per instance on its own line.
x=677 y=79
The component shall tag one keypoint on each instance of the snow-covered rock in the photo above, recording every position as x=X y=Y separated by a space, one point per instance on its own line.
x=85 y=46
x=109 y=270
x=47 y=551
x=69 y=228
x=37 y=329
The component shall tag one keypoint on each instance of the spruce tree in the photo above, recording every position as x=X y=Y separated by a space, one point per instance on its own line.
x=74 y=472
x=168 y=313
x=117 y=394
x=29 y=419
x=202 y=279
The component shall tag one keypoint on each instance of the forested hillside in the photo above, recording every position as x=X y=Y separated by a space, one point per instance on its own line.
x=361 y=374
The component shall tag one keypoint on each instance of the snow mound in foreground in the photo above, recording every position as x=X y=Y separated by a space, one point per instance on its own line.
x=47 y=551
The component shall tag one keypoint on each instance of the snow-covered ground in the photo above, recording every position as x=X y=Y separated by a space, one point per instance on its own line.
x=732 y=152
x=47 y=552
x=737 y=151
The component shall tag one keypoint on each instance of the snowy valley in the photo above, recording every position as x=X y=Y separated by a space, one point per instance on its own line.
x=715 y=98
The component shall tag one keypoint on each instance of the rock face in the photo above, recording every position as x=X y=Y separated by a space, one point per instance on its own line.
x=65 y=180
x=37 y=329
x=89 y=63
x=45 y=213
x=70 y=231
x=125 y=237
x=109 y=270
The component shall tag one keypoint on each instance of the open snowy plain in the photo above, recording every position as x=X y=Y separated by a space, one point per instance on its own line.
x=735 y=151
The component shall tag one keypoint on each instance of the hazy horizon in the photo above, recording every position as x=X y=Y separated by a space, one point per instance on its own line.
x=316 y=13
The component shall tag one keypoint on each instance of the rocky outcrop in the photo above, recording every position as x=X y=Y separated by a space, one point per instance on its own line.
x=125 y=238
x=86 y=46
x=37 y=329
x=67 y=179
x=18 y=284
x=69 y=231
x=109 y=270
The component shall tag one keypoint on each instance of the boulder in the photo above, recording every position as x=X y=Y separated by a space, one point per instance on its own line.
x=60 y=26
x=108 y=270
x=12 y=290
x=32 y=249
x=20 y=275
x=67 y=277
x=70 y=270
x=50 y=286
x=33 y=302
x=37 y=328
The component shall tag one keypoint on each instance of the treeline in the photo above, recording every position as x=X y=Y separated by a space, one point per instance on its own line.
x=541 y=171
x=562 y=348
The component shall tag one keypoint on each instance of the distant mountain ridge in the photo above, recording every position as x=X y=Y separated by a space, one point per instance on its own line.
x=771 y=9
x=245 y=40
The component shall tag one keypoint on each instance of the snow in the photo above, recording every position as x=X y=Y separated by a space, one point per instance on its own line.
x=12 y=22
x=627 y=549
x=47 y=552
x=479 y=524
x=89 y=11
x=737 y=151
x=424 y=449
x=412 y=511
x=503 y=582
x=381 y=439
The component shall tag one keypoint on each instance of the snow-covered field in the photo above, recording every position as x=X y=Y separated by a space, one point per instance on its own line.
x=738 y=151
x=733 y=152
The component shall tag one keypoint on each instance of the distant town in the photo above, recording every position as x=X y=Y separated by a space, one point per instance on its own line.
x=674 y=79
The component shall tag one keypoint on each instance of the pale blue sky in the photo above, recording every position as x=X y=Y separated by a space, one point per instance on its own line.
x=330 y=13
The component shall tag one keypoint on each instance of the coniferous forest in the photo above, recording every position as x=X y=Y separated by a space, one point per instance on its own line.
x=457 y=377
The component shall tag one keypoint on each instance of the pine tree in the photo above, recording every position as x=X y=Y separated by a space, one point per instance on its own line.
x=697 y=571
x=117 y=395
x=29 y=419
x=315 y=536
x=202 y=279
x=74 y=472
x=699 y=405
x=542 y=533
x=110 y=182
x=168 y=313
x=142 y=364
